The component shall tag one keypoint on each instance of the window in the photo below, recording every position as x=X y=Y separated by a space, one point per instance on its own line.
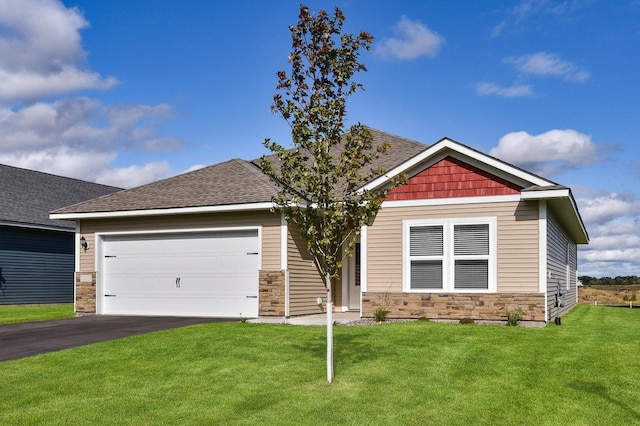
x=450 y=255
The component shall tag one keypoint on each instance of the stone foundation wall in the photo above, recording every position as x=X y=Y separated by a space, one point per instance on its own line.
x=85 y=292
x=271 y=293
x=455 y=306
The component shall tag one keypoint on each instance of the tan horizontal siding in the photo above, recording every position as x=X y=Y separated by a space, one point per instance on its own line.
x=305 y=282
x=269 y=222
x=517 y=247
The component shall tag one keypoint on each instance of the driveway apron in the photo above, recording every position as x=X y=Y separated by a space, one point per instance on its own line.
x=28 y=339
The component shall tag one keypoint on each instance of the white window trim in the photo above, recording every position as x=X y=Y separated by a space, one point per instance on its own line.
x=448 y=258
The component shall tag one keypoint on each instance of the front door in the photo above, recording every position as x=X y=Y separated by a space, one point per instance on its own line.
x=354 y=280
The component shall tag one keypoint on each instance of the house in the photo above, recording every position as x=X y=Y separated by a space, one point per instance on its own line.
x=467 y=236
x=37 y=259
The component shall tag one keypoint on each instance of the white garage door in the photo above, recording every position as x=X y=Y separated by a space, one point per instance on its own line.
x=205 y=274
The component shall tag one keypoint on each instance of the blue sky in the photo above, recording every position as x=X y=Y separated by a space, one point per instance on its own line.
x=126 y=92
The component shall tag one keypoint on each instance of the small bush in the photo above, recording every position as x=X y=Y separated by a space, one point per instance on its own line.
x=423 y=319
x=380 y=314
x=514 y=317
x=467 y=321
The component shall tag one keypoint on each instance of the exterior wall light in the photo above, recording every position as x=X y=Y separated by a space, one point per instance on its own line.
x=84 y=244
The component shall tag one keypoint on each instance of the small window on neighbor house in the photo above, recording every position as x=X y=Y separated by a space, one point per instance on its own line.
x=450 y=255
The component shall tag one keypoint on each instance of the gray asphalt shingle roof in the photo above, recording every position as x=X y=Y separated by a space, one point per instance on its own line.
x=27 y=196
x=232 y=182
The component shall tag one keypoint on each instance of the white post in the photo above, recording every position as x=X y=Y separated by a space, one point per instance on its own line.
x=329 y=330
x=329 y=342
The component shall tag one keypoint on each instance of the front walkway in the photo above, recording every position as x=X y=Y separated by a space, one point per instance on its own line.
x=316 y=319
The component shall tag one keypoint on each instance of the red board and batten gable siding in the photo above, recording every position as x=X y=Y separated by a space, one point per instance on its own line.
x=450 y=178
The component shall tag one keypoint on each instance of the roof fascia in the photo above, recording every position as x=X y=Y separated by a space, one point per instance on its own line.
x=34 y=226
x=455 y=147
x=545 y=194
x=163 y=212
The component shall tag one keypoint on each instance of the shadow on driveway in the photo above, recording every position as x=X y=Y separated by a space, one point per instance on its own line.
x=28 y=339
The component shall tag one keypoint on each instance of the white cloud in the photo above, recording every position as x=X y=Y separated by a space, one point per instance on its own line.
x=129 y=177
x=41 y=53
x=549 y=152
x=515 y=91
x=547 y=64
x=613 y=223
x=41 y=56
x=90 y=165
x=81 y=123
x=605 y=208
x=627 y=255
x=81 y=138
x=539 y=13
x=413 y=39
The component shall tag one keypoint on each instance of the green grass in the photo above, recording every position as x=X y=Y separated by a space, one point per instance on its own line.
x=586 y=371
x=30 y=313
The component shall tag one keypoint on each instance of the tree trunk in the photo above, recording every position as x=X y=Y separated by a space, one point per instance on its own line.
x=329 y=330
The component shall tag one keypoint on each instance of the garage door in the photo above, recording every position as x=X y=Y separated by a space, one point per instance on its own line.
x=204 y=274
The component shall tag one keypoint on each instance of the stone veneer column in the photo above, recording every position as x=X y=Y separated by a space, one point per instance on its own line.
x=271 y=293
x=85 y=292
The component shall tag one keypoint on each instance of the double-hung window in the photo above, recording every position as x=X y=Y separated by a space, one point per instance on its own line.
x=452 y=255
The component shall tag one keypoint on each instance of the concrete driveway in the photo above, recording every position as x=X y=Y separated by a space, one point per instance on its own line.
x=23 y=340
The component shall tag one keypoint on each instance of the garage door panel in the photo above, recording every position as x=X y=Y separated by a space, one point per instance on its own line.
x=213 y=274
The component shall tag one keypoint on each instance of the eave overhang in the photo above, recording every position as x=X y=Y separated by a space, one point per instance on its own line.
x=562 y=203
x=163 y=212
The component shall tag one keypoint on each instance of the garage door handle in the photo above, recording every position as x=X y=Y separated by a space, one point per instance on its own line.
x=253 y=252
x=252 y=297
x=109 y=295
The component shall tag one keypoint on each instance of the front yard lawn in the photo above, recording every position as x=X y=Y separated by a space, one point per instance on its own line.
x=586 y=371
x=29 y=313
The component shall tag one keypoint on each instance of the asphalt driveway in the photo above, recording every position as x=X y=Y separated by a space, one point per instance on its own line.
x=28 y=339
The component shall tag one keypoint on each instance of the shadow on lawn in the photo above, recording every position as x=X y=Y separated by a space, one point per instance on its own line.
x=600 y=390
x=348 y=349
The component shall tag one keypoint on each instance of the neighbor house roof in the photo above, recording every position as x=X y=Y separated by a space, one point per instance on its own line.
x=27 y=197
x=235 y=184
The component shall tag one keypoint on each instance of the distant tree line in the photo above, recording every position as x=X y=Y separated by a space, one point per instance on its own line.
x=628 y=280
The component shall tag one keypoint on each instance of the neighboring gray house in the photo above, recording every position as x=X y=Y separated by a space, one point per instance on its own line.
x=37 y=259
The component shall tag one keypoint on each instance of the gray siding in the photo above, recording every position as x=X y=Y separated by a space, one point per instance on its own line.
x=36 y=266
x=562 y=264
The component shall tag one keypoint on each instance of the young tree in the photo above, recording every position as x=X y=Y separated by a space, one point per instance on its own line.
x=321 y=177
x=630 y=298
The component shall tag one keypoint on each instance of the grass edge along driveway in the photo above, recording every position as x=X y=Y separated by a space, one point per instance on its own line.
x=583 y=372
x=15 y=314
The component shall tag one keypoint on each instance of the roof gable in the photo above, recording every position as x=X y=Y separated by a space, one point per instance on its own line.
x=450 y=178
x=449 y=148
